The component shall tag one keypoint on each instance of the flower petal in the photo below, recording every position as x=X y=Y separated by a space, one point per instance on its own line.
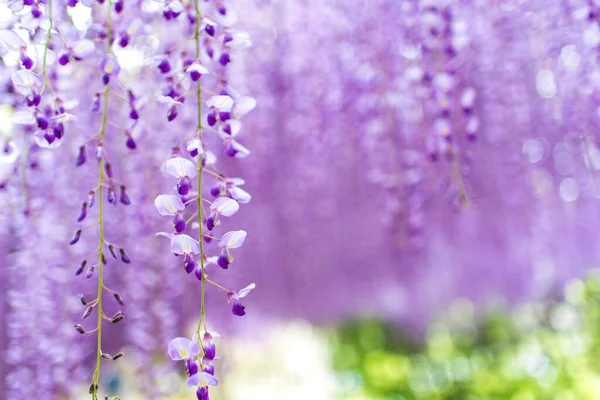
x=180 y=167
x=240 y=150
x=179 y=348
x=233 y=239
x=11 y=40
x=24 y=117
x=240 y=195
x=25 y=80
x=202 y=379
x=220 y=102
x=244 y=292
x=167 y=204
x=243 y=106
x=183 y=244
x=82 y=48
x=225 y=206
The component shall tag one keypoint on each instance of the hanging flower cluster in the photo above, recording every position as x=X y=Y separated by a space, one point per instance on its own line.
x=374 y=126
x=204 y=71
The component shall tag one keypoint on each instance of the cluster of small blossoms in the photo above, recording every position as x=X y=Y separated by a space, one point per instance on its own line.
x=201 y=71
x=443 y=38
x=97 y=52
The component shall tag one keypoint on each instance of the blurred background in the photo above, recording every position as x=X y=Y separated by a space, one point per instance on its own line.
x=424 y=221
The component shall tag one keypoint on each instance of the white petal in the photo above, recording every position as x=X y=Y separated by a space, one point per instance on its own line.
x=242 y=151
x=211 y=260
x=183 y=244
x=176 y=6
x=83 y=48
x=167 y=100
x=229 y=19
x=236 y=181
x=220 y=102
x=211 y=159
x=135 y=26
x=63 y=118
x=241 y=41
x=10 y=40
x=235 y=127
x=195 y=144
x=180 y=167
x=136 y=130
x=243 y=106
x=240 y=195
x=202 y=379
x=233 y=239
x=167 y=204
x=25 y=81
x=244 y=292
x=24 y=117
x=197 y=67
x=179 y=348
x=214 y=335
x=41 y=141
x=225 y=206
x=164 y=234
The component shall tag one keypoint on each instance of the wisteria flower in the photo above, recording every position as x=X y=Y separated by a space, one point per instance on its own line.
x=235 y=149
x=221 y=206
x=202 y=380
x=230 y=240
x=234 y=298
x=232 y=187
x=109 y=67
x=186 y=350
x=77 y=50
x=194 y=147
x=183 y=169
x=171 y=205
x=10 y=41
x=26 y=82
x=133 y=134
x=242 y=106
x=196 y=70
x=238 y=41
x=187 y=247
x=183 y=348
x=172 y=103
x=220 y=107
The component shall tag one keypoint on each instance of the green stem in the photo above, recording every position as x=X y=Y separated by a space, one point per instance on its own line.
x=101 y=219
x=200 y=168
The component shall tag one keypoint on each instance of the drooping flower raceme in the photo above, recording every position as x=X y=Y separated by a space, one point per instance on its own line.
x=216 y=46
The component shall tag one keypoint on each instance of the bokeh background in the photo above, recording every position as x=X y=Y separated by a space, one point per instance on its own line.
x=424 y=221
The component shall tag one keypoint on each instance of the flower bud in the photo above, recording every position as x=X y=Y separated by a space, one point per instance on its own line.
x=111 y=249
x=90 y=271
x=76 y=237
x=124 y=197
x=81 y=157
x=124 y=257
x=91 y=197
x=79 y=270
x=83 y=212
x=87 y=312
x=119 y=299
x=118 y=317
x=111 y=196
